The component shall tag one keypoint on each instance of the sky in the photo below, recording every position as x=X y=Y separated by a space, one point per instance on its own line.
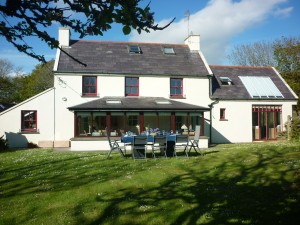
x=221 y=24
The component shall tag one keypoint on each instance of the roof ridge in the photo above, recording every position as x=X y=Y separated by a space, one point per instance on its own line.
x=253 y=67
x=125 y=42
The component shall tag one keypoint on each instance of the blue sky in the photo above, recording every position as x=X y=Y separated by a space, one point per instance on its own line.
x=221 y=24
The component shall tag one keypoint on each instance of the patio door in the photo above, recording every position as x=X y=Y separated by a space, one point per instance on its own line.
x=266 y=122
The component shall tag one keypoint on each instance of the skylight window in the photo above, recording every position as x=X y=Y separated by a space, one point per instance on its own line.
x=169 y=50
x=113 y=101
x=163 y=102
x=260 y=87
x=225 y=80
x=134 y=49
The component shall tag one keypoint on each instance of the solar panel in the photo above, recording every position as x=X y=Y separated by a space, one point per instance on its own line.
x=260 y=87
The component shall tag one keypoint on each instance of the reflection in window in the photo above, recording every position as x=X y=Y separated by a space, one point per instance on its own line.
x=176 y=87
x=29 y=120
x=195 y=120
x=84 y=123
x=89 y=86
x=116 y=123
x=266 y=121
x=164 y=121
x=181 y=122
x=131 y=86
x=150 y=121
x=132 y=122
x=222 y=114
x=99 y=124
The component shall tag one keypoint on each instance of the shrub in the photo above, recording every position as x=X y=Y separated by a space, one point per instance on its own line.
x=3 y=143
x=32 y=145
x=295 y=129
x=283 y=135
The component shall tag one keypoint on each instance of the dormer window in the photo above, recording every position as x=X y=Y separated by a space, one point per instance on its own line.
x=169 y=50
x=225 y=80
x=135 y=49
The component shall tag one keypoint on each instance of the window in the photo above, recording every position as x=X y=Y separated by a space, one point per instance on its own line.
x=222 y=114
x=181 y=122
x=134 y=49
x=131 y=86
x=169 y=50
x=132 y=122
x=95 y=124
x=266 y=121
x=89 y=86
x=225 y=80
x=176 y=87
x=29 y=120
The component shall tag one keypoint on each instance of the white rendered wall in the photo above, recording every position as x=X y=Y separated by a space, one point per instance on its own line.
x=10 y=120
x=238 y=124
x=68 y=88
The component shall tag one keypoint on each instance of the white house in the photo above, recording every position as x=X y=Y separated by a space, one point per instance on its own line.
x=138 y=86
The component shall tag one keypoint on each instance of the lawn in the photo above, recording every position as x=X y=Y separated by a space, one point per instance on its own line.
x=254 y=183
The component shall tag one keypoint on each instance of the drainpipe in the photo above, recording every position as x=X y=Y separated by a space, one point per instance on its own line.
x=211 y=107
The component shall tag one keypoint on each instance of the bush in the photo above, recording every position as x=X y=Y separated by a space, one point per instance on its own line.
x=3 y=143
x=32 y=145
x=283 y=135
x=295 y=129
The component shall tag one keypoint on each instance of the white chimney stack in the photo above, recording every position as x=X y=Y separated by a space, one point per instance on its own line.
x=64 y=36
x=193 y=41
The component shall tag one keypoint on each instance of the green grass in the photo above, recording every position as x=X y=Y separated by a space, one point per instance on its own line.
x=231 y=184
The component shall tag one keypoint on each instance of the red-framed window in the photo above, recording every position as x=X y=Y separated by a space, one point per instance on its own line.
x=131 y=86
x=176 y=87
x=222 y=114
x=89 y=86
x=29 y=120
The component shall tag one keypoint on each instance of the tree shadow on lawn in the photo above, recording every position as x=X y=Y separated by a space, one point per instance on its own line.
x=244 y=195
x=52 y=174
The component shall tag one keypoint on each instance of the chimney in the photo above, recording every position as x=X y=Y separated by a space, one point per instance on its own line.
x=193 y=41
x=64 y=36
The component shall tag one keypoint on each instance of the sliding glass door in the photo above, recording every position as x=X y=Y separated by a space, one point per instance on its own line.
x=266 y=121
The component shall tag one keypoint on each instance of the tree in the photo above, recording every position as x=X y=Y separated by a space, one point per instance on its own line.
x=96 y=16
x=7 y=70
x=40 y=79
x=283 y=53
x=6 y=67
x=253 y=54
x=287 y=55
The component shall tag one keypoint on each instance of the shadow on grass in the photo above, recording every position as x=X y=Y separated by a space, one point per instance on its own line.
x=229 y=187
x=57 y=173
x=239 y=194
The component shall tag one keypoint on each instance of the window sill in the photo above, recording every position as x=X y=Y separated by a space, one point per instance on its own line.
x=177 y=97
x=89 y=95
x=29 y=132
x=223 y=120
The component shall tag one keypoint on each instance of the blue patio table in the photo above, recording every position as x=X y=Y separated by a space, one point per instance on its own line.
x=150 y=138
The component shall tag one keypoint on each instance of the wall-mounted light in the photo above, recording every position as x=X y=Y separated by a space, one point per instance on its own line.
x=64 y=99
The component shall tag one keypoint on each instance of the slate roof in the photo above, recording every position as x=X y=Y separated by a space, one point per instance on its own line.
x=114 y=58
x=4 y=106
x=137 y=104
x=237 y=90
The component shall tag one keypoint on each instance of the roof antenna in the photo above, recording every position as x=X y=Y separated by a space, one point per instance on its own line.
x=187 y=15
